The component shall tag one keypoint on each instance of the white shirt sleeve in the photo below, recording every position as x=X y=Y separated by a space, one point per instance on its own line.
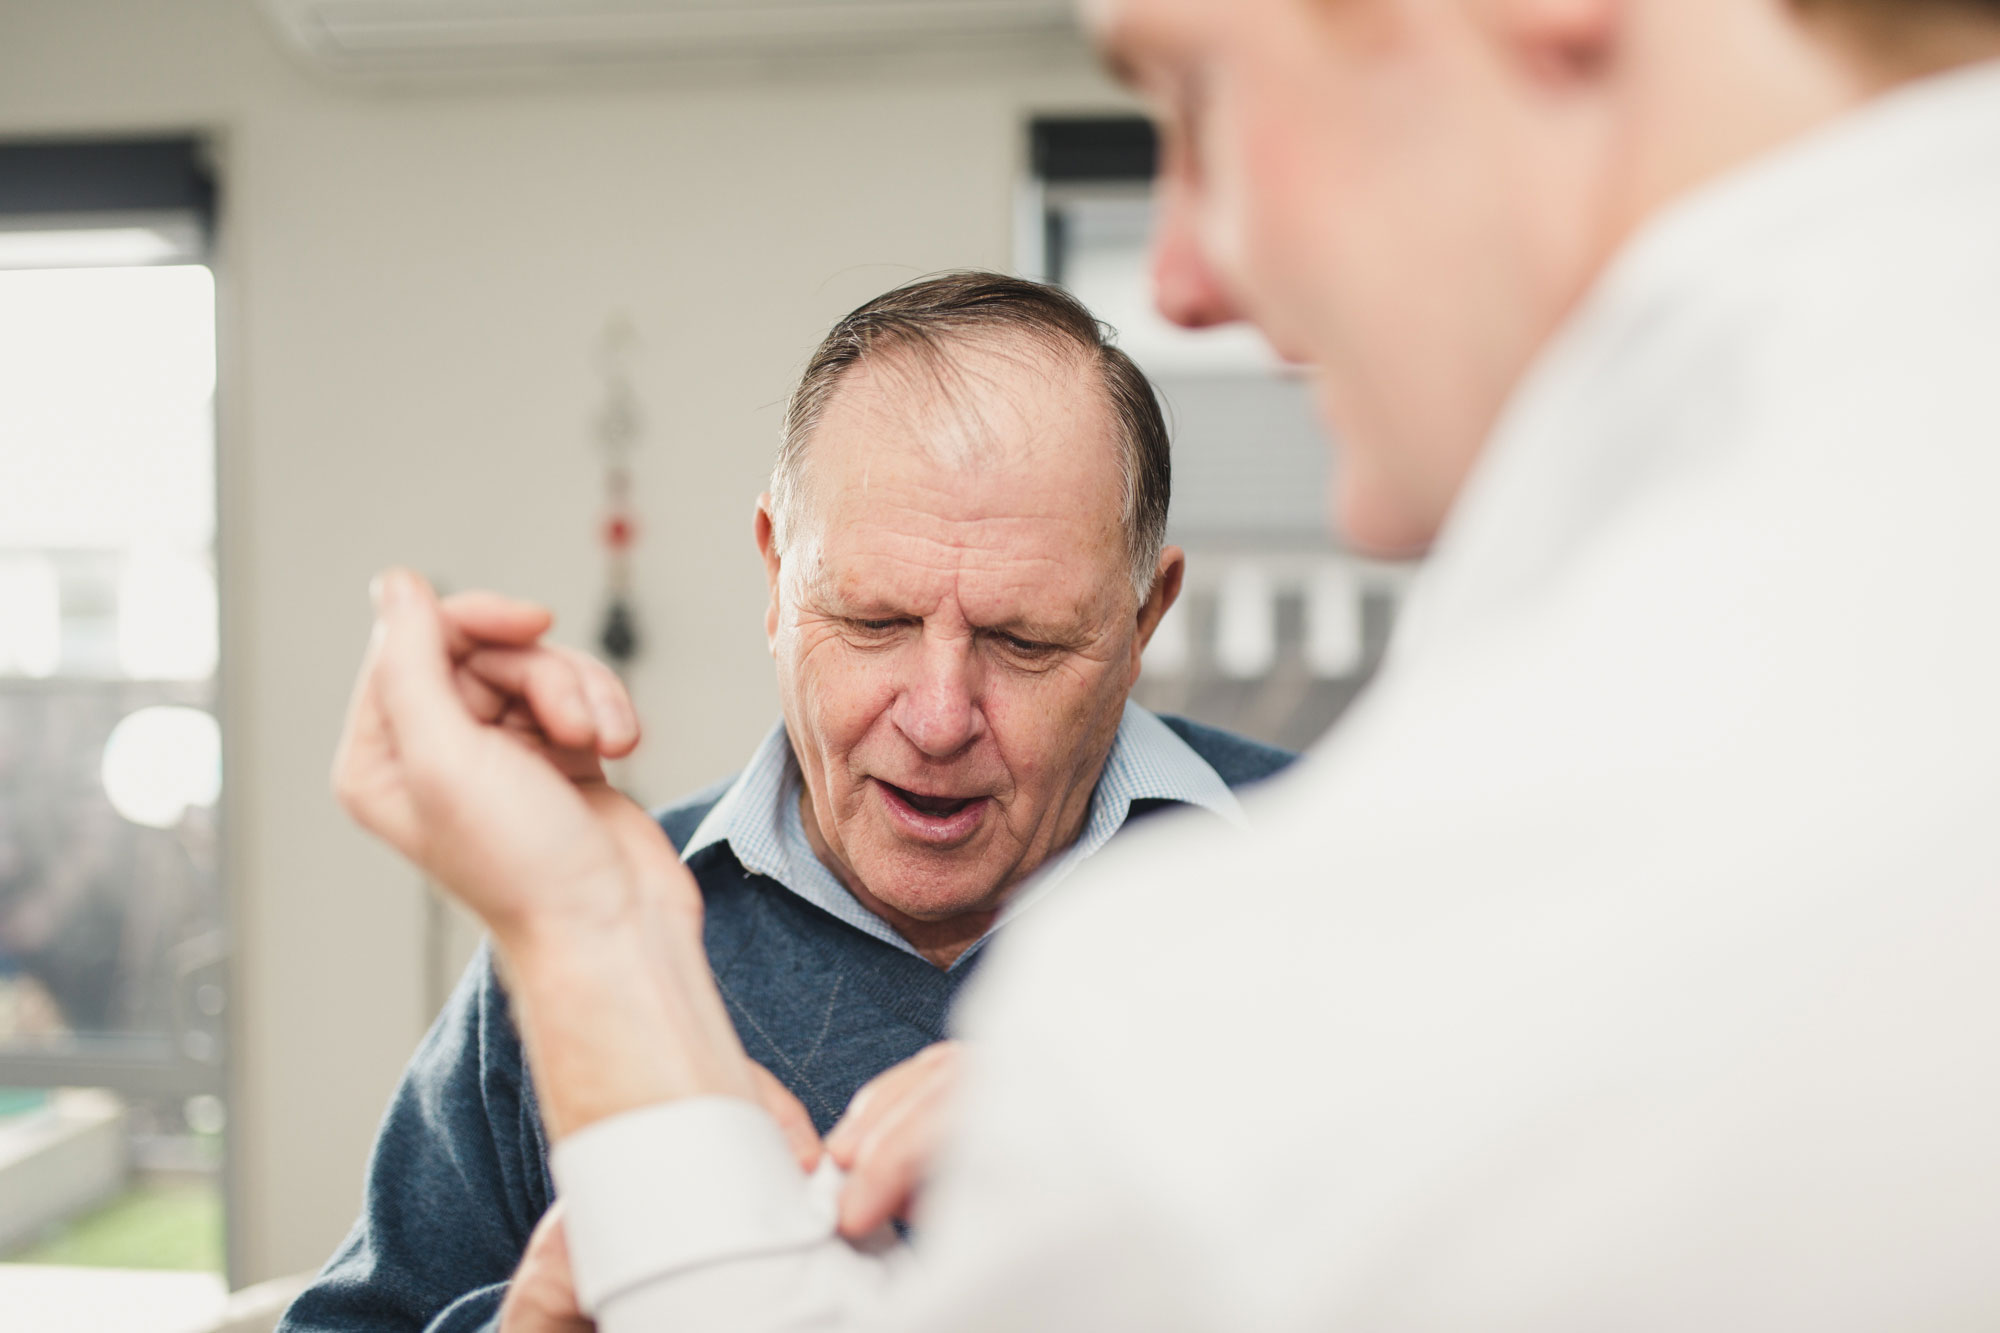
x=694 y=1215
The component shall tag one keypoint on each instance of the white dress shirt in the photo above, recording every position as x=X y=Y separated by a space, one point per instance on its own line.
x=1630 y=960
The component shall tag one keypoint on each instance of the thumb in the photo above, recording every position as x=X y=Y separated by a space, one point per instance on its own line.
x=414 y=668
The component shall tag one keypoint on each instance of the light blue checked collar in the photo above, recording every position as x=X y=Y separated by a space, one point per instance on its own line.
x=759 y=818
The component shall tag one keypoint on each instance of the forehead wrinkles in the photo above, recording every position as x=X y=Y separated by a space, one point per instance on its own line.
x=991 y=570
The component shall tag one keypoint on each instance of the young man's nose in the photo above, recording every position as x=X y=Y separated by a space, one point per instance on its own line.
x=939 y=707
x=1185 y=287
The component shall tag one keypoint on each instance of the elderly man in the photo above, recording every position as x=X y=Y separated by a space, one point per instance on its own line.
x=965 y=547
x=1629 y=961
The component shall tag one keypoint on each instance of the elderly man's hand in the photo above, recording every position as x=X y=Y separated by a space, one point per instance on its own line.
x=541 y=1297
x=478 y=758
x=477 y=755
x=889 y=1136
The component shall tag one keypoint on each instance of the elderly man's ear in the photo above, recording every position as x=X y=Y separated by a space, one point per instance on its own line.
x=768 y=548
x=1166 y=591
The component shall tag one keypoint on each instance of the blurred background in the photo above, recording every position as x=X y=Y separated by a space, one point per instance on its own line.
x=294 y=289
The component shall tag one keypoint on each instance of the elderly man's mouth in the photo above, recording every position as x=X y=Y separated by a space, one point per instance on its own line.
x=938 y=820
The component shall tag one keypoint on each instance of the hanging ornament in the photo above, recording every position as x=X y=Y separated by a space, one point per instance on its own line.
x=617 y=430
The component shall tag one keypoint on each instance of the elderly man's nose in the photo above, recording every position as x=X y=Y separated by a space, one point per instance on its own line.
x=1185 y=287
x=939 y=709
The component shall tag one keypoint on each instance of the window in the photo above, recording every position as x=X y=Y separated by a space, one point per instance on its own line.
x=112 y=922
x=1278 y=627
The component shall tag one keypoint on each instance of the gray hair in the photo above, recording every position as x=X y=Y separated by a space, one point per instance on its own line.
x=923 y=317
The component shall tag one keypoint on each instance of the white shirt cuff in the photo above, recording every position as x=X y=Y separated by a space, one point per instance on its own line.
x=667 y=1188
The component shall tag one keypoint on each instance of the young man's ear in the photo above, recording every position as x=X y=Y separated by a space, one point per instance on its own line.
x=767 y=546
x=1167 y=577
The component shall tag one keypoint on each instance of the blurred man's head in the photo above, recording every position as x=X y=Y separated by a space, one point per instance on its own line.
x=1411 y=194
x=965 y=546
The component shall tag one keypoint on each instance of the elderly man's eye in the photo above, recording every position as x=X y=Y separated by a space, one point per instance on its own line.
x=1028 y=647
x=876 y=626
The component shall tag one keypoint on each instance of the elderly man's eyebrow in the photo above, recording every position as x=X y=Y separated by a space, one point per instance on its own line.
x=837 y=597
x=859 y=610
x=1038 y=631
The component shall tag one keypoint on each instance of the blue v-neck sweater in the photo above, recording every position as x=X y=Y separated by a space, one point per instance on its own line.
x=460 y=1176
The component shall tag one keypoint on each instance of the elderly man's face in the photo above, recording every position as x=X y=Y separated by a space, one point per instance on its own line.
x=1404 y=193
x=954 y=623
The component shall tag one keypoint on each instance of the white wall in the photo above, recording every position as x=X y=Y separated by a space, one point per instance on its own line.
x=412 y=285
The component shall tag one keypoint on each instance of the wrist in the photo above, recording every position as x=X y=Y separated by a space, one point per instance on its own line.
x=551 y=944
x=617 y=1015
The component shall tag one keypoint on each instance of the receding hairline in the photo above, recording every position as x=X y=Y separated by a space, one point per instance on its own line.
x=922 y=325
x=925 y=371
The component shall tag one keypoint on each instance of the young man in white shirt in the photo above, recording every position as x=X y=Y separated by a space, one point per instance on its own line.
x=1636 y=962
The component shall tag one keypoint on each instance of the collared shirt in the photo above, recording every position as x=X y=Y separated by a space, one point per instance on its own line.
x=1627 y=961
x=758 y=817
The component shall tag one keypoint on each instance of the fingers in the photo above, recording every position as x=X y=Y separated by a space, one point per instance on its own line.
x=790 y=1114
x=485 y=702
x=405 y=717
x=412 y=674
x=610 y=704
x=575 y=699
x=890 y=1135
x=579 y=763
x=879 y=1095
x=894 y=1159
x=551 y=687
x=366 y=770
x=542 y=1298
x=434 y=672
x=481 y=617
